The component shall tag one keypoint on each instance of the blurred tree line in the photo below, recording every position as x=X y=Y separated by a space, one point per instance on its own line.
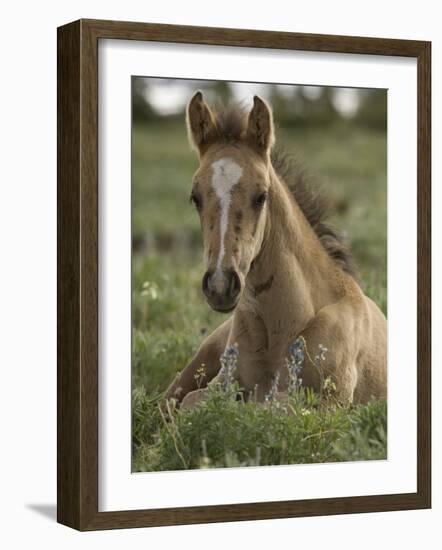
x=292 y=105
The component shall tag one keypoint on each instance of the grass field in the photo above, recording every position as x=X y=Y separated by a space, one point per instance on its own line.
x=170 y=316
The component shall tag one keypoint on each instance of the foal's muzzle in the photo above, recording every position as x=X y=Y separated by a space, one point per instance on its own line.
x=222 y=289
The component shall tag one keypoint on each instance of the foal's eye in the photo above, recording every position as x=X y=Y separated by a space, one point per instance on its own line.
x=260 y=199
x=195 y=199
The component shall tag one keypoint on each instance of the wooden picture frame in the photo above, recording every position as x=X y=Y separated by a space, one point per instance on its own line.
x=77 y=458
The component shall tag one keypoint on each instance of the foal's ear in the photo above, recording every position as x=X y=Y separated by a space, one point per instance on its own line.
x=260 y=132
x=201 y=125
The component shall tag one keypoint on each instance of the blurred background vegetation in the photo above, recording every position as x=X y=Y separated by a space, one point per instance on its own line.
x=338 y=134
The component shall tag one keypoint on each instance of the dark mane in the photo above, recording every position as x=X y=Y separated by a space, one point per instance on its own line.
x=231 y=122
x=315 y=207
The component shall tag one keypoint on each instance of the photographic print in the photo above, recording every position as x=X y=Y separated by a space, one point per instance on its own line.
x=259 y=274
x=222 y=274
x=222 y=296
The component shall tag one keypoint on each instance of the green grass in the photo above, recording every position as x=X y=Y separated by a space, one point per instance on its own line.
x=225 y=432
x=170 y=317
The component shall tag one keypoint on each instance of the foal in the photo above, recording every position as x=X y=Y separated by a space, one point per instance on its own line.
x=276 y=266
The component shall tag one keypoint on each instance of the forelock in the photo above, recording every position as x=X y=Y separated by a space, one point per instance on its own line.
x=231 y=122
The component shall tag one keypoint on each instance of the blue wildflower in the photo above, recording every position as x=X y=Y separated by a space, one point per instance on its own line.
x=271 y=396
x=229 y=361
x=294 y=363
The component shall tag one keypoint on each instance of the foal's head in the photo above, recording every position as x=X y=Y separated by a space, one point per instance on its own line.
x=230 y=191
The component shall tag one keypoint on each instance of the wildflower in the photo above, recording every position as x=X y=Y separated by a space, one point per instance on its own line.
x=329 y=388
x=150 y=290
x=200 y=375
x=296 y=352
x=322 y=352
x=319 y=364
x=294 y=364
x=271 y=396
x=229 y=360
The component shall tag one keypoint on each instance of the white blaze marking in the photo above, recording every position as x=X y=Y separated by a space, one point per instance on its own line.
x=226 y=174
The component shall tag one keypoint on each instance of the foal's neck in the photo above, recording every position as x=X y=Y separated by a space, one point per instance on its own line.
x=293 y=277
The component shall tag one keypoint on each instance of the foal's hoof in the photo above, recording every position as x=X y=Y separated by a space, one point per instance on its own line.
x=193 y=398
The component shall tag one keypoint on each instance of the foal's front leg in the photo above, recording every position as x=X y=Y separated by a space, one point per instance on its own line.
x=188 y=382
x=335 y=327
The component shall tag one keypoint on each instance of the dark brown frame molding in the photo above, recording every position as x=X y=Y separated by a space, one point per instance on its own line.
x=77 y=225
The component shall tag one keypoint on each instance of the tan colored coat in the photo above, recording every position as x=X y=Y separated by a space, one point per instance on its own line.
x=284 y=284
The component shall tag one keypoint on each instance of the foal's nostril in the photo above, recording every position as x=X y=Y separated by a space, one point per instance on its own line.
x=234 y=284
x=206 y=283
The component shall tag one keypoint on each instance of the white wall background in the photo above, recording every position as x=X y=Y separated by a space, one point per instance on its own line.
x=28 y=271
